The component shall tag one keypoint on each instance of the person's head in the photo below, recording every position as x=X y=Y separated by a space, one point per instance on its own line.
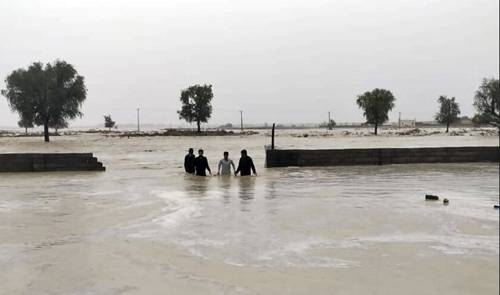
x=200 y=152
x=243 y=152
x=191 y=151
x=226 y=155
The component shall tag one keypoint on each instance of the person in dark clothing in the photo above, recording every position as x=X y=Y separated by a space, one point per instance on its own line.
x=189 y=162
x=201 y=164
x=245 y=164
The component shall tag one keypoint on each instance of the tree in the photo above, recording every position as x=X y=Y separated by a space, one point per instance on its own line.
x=26 y=118
x=196 y=106
x=448 y=111
x=25 y=123
x=58 y=123
x=108 y=122
x=487 y=102
x=376 y=105
x=53 y=92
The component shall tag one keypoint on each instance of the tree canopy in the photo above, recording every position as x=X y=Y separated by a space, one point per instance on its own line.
x=25 y=123
x=48 y=95
x=376 y=105
x=108 y=122
x=487 y=102
x=448 y=111
x=58 y=123
x=196 y=104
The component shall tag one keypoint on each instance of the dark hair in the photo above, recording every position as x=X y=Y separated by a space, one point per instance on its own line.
x=226 y=153
x=191 y=150
x=200 y=150
x=243 y=152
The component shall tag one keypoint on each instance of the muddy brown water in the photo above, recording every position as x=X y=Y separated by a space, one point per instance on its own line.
x=143 y=227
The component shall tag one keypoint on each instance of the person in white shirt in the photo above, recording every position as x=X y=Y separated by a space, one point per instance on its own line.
x=225 y=165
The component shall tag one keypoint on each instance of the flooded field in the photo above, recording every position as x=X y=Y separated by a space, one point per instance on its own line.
x=144 y=227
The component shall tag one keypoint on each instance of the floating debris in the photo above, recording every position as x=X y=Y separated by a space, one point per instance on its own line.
x=431 y=197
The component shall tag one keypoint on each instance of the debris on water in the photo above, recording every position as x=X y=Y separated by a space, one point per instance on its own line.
x=431 y=197
x=496 y=206
x=446 y=201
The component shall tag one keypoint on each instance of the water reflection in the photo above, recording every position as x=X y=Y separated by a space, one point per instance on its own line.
x=246 y=188
x=225 y=185
x=271 y=191
x=196 y=185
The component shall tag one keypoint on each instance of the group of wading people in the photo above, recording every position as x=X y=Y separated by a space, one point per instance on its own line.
x=199 y=165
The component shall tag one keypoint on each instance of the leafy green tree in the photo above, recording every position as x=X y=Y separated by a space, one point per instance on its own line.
x=25 y=122
x=376 y=105
x=54 y=92
x=487 y=103
x=196 y=104
x=108 y=122
x=26 y=112
x=58 y=123
x=448 y=111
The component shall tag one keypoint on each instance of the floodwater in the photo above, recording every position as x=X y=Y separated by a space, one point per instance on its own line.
x=143 y=227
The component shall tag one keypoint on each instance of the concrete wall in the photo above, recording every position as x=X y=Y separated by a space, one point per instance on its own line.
x=49 y=162
x=380 y=156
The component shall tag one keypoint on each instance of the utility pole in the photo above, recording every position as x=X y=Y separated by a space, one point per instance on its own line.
x=241 y=120
x=329 y=122
x=399 y=121
x=272 y=138
x=138 y=122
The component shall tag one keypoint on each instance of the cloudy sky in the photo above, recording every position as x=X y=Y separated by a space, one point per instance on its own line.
x=277 y=60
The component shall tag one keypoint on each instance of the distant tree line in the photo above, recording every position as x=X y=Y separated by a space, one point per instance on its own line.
x=377 y=103
x=51 y=94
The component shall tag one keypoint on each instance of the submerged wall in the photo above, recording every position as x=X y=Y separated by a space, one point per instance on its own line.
x=381 y=156
x=49 y=162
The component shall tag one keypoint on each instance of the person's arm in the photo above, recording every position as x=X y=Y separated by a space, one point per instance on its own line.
x=185 y=162
x=208 y=168
x=239 y=168
x=232 y=164
x=253 y=167
x=218 y=167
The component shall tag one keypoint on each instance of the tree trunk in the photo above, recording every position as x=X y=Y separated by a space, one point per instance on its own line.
x=25 y=130
x=376 y=128
x=447 y=126
x=46 y=130
x=198 y=123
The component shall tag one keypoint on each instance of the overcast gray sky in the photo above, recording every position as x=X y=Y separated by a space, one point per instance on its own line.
x=278 y=60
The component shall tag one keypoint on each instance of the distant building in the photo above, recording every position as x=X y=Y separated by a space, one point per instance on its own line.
x=406 y=123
